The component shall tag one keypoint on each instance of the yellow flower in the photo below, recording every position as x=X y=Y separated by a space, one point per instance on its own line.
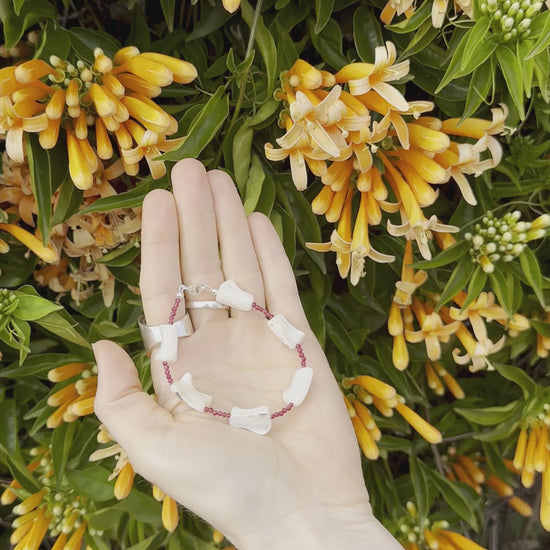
x=425 y=429
x=432 y=330
x=123 y=471
x=231 y=5
x=46 y=253
x=363 y=77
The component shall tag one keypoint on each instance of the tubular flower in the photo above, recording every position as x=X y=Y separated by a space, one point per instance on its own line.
x=368 y=390
x=532 y=456
x=54 y=511
x=231 y=5
x=478 y=345
x=432 y=330
x=91 y=104
x=123 y=472
x=358 y=134
x=48 y=254
x=543 y=342
x=435 y=373
x=169 y=514
x=75 y=399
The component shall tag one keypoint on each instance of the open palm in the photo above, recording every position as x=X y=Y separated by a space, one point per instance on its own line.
x=248 y=486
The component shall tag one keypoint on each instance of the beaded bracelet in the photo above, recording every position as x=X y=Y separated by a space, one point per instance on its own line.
x=257 y=420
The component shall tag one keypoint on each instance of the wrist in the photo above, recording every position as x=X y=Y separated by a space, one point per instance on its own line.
x=324 y=527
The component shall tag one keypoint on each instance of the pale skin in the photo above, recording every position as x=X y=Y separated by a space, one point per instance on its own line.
x=298 y=487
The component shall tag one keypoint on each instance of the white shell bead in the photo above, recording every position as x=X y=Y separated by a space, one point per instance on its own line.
x=287 y=334
x=229 y=294
x=297 y=391
x=187 y=392
x=168 y=350
x=257 y=420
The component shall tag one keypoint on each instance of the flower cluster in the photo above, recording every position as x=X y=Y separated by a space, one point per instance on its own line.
x=469 y=470
x=88 y=238
x=368 y=390
x=369 y=145
x=75 y=399
x=467 y=324
x=417 y=533
x=109 y=102
x=496 y=239
x=54 y=509
x=532 y=455
x=511 y=19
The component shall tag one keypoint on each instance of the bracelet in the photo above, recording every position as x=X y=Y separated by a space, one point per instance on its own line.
x=257 y=420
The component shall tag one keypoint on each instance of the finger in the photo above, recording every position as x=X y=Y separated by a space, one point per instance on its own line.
x=199 y=254
x=160 y=273
x=121 y=405
x=281 y=293
x=239 y=262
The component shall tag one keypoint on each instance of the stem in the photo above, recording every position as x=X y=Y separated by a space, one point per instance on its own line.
x=249 y=47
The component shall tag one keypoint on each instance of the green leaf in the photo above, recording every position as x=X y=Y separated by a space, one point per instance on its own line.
x=62 y=441
x=242 y=144
x=511 y=69
x=527 y=64
x=475 y=287
x=19 y=470
x=323 y=11
x=541 y=327
x=204 y=128
x=85 y=41
x=127 y=274
x=105 y=518
x=68 y=202
x=420 y=486
x=531 y=269
x=452 y=495
x=8 y=425
x=477 y=35
x=543 y=39
x=41 y=183
x=490 y=416
x=493 y=455
x=168 y=10
x=453 y=67
x=339 y=335
x=32 y=12
x=481 y=84
x=91 y=483
x=265 y=43
x=501 y=288
x=414 y=22
x=518 y=376
x=445 y=257
x=31 y=308
x=150 y=543
x=314 y=314
x=53 y=41
x=457 y=281
x=63 y=325
x=121 y=255
x=254 y=184
x=367 y=33
x=129 y=199
x=502 y=431
x=142 y=507
x=328 y=43
x=267 y=196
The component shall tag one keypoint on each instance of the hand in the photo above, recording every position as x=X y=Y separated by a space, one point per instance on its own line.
x=298 y=486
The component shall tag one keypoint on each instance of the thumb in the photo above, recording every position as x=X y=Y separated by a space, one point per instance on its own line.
x=132 y=417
